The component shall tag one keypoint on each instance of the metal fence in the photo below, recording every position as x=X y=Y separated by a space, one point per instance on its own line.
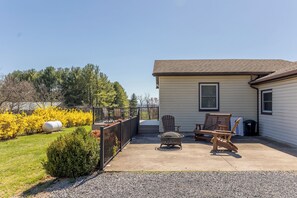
x=105 y=114
x=149 y=113
x=115 y=137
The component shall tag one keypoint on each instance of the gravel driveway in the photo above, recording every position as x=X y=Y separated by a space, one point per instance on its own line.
x=179 y=184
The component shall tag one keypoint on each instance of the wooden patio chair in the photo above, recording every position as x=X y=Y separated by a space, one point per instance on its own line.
x=171 y=135
x=168 y=122
x=222 y=138
x=213 y=121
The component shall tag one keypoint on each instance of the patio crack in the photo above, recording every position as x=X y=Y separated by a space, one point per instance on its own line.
x=229 y=163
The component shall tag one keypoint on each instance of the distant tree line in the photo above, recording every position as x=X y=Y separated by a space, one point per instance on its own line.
x=73 y=86
x=147 y=100
x=76 y=86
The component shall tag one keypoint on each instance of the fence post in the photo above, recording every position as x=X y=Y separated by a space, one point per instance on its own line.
x=149 y=112
x=121 y=136
x=108 y=114
x=101 y=165
x=138 y=120
x=93 y=115
x=140 y=110
x=122 y=113
x=130 y=124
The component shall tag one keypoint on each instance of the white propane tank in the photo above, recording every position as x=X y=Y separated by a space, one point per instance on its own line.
x=52 y=126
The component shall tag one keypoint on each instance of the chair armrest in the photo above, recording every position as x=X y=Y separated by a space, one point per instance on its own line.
x=177 y=128
x=199 y=126
x=221 y=132
x=223 y=127
x=206 y=132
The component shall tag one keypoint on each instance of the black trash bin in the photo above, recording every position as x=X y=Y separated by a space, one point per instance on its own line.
x=250 y=127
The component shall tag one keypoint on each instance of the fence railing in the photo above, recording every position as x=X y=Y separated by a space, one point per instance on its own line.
x=149 y=113
x=105 y=114
x=115 y=137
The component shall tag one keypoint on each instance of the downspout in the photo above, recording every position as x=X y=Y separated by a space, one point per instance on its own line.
x=257 y=101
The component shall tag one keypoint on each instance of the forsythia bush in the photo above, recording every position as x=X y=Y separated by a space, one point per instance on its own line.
x=12 y=125
x=8 y=126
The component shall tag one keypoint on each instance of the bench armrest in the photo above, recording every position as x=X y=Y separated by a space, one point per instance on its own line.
x=177 y=128
x=199 y=126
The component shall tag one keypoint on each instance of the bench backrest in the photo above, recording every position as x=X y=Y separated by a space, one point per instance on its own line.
x=213 y=120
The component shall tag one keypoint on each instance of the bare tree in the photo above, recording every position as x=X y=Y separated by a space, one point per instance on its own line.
x=150 y=105
x=147 y=99
x=154 y=102
x=23 y=92
x=45 y=95
x=140 y=100
x=15 y=93
x=5 y=92
x=157 y=101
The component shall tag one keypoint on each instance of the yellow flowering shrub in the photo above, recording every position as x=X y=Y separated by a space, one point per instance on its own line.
x=12 y=125
x=22 y=123
x=33 y=124
x=77 y=118
x=8 y=125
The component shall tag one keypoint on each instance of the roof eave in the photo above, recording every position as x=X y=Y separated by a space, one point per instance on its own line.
x=208 y=73
x=275 y=78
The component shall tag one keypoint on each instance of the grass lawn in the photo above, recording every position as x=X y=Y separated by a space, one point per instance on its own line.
x=20 y=161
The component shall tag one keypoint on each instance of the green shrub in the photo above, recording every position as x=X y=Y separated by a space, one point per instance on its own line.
x=72 y=155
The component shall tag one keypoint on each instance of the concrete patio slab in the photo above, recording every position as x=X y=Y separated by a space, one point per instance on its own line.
x=255 y=154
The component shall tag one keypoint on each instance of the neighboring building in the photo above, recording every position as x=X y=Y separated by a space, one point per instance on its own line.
x=28 y=106
x=190 y=88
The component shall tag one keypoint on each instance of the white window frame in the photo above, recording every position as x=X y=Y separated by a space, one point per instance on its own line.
x=262 y=101
x=217 y=97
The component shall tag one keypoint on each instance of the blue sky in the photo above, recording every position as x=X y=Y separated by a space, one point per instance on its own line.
x=125 y=37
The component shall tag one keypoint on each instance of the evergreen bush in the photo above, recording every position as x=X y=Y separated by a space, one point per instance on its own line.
x=72 y=155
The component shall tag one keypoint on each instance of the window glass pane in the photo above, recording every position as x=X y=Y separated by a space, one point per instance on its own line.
x=208 y=96
x=208 y=102
x=208 y=90
x=268 y=96
x=267 y=106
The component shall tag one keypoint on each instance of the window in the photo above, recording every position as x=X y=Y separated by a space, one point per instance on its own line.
x=266 y=98
x=209 y=97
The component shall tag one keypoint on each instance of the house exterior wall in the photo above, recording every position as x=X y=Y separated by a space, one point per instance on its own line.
x=179 y=97
x=281 y=125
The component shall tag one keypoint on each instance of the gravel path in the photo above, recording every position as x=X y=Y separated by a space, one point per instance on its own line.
x=179 y=184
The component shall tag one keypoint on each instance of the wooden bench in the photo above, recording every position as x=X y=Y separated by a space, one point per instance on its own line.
x=213 y=121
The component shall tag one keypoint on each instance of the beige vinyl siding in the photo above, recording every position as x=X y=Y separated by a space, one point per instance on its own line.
x=281 y=125
x=179 y=97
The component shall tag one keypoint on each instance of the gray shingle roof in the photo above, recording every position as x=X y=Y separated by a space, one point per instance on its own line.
x=278 y=74
x=218 y=67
